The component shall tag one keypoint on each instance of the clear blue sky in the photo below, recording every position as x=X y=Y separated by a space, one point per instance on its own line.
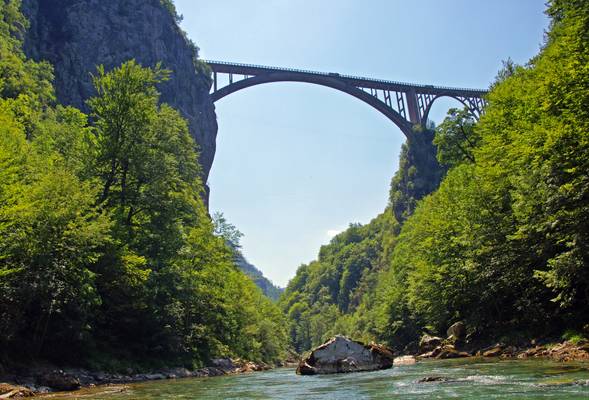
x=295 y=162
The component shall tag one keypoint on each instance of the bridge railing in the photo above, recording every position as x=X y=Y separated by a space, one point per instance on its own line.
x=352 y=77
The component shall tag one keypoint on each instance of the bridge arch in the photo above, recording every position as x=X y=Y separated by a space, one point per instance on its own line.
x=322 y=80
x=405 y=104
x=472 y=107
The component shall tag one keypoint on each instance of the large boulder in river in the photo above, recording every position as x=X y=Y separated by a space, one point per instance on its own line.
x=341 y=354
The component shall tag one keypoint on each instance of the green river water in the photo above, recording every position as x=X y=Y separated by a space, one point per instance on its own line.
x=472 y=379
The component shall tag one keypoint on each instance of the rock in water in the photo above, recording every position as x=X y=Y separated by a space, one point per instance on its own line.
x=404 y=360
x=428 y=379
x=341 y=354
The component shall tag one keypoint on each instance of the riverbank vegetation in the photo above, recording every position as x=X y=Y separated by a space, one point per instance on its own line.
x=501 y=245
x=108 y=257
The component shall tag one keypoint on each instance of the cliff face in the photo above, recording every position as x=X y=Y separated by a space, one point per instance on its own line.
x=77 y=35
x=419 y=174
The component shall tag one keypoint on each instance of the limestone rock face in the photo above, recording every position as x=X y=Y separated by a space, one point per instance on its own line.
x=76 y=36
x=341 y=354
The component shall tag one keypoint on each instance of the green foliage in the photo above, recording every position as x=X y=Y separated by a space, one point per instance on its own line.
x=502 y=244
x=171 y=7
x=227 y=231
x=456 y=138
x=17 y=74
x=181 y=287
x=327 y=296
x=52 y=234
x=232 y=237
x=574 y=336
x=107 y=249
x=503 y=233
x=146 y=161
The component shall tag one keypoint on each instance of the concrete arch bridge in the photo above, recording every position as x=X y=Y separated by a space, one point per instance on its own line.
x=405 y=104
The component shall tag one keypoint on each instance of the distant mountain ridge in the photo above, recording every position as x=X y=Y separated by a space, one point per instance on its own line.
x=268 y=288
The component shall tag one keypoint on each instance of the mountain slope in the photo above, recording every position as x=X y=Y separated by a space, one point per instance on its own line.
x=268 y=288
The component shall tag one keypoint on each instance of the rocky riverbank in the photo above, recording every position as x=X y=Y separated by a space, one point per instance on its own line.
x=458 y=345
x=339 y=354
x=342 y=355
x=41 y=380
x=565 y=351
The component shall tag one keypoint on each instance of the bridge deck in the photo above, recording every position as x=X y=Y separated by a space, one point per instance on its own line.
x=253 y=70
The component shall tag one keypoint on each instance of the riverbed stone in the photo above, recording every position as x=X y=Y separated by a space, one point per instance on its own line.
x=494 y=351
x=8 y=391
x=428 y=343
x=180 y=372
x=60 y=380
x=457 y=331
x=404 y=360
x=449 y=351
x=225 y=364
x=154 y=377
x=341 y=354
x=429 y=379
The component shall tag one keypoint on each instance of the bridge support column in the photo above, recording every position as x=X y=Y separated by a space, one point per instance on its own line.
x=412 y=107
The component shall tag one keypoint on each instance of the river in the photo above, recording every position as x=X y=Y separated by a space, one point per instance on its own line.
x=472 y=379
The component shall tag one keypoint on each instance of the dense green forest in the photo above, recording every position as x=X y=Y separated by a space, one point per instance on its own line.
x=108 y=256
x=501 y=245
x=109 y=259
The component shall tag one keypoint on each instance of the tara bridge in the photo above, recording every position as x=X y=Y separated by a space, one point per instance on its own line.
x=405 y=104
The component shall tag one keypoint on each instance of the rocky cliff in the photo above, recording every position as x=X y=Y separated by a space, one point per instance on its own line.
x=419 y=174
x=77 y=35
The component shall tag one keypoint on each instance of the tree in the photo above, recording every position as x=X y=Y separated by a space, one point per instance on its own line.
x=52 y=237
x=227 y=231
x=108 y=257
x=456 y=138
x=147 y=160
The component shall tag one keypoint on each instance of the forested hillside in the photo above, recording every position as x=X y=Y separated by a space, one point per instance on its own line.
x=232 y=237
x=269 y=289
x=108 y=256
x=501 y=245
